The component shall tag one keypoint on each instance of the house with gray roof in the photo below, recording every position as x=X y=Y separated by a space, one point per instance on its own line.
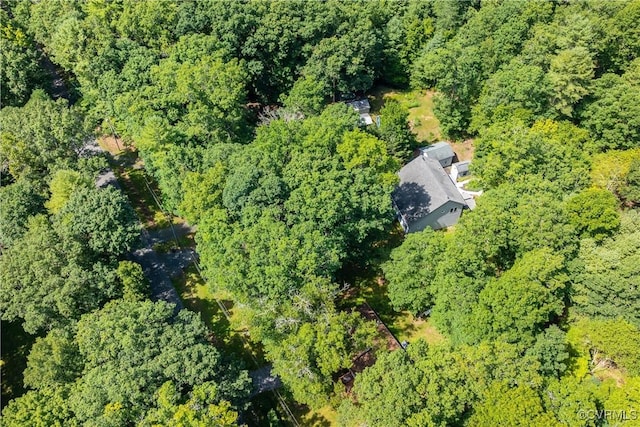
x=426 y=196
x=440 y=151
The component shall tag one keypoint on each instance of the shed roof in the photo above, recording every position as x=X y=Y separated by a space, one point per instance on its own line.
x=361 y=104
x=439 y=151
x=424 y=187
x=462 y=166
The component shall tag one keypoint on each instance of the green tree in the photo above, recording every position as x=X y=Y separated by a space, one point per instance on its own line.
x=41 y=137
x=54 y=360
x=630 y=190
x=516 y=306
x=612 y=116
x=570 y=74
x=607 y=343
x=553 y=150
x=203 y=408
x=594 y=213
x=506 y=406
x=48 y=279
x=19 y=201
x=605 y=275
x=134 y=284
x=132 y=348
x=517 y=89
x=101 y=218
x=306 y=96
x=42 y=408
x=411 y=270
x=387 y=392
x=394 y=130
x=21 y=72
x=63 y=183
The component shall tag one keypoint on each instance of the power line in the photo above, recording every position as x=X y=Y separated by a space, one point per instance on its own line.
x=168 y=215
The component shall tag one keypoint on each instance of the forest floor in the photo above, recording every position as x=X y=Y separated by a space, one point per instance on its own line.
x=15 y=345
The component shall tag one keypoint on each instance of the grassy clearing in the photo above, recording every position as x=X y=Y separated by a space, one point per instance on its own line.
x=402 y=324
x=325 y=416
x=16 y=344
x=197 y=297
x=420 y=105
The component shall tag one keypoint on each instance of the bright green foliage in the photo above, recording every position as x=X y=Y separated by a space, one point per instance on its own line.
x=594 y=213
x=569 y=399
x=606 y=276
x=43 y=408
x=548 y=149
x=54 y=361
x=607 y=343
x=516 y=306
x=134 y=284
x=509 y=406
x=48 y=279
x=40 y=137
x=202 y=409
x=132 y=348
x=411 y=270
x=394 y=130
x=610 y=169
x=360 y=150
x=18 y=202
x=570 y=74
x=63 y=183
x=203 y=98
x=101 y=218
x=306 y=96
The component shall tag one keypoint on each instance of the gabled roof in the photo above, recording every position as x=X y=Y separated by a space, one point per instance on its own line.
x=424 y=187
x=359 y=105
x=439 y=151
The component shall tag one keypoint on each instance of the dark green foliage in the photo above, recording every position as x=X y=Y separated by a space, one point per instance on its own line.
x=131 y=348
x=102 y=219
x=594 y=213
x=21 y=72
x=41 y=137
x=48 y=279
x=605 y=276
x=552 y=351
x=394 y=130
x=411 y=271
x=18 y=202
x=630 y=190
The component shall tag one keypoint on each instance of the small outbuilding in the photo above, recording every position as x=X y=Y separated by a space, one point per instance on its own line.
x=459 y=169
x=426 y=196
x=440 y=151
x=363 y=108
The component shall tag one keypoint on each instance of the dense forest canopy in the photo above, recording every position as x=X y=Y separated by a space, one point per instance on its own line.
x=233 y=108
